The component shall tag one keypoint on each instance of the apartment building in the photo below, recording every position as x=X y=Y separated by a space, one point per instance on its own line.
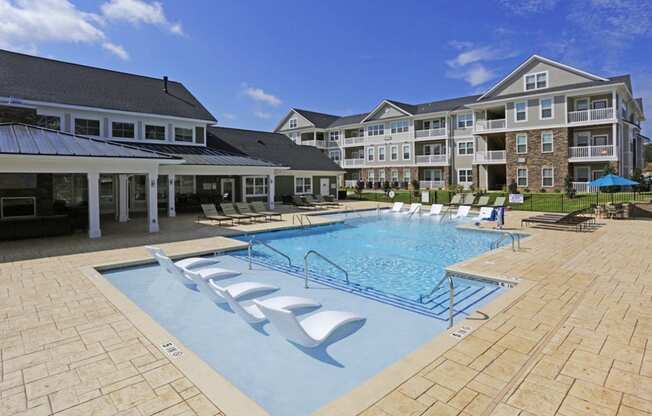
x=539 y=124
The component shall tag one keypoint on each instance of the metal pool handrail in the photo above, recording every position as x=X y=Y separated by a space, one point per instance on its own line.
x=451 y=296
x=275 y=250
x=448 y=213
x=300 y=218
x=516 y=241
x=327 y=260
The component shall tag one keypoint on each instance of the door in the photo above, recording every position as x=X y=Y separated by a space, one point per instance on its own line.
x=227 y=189
x=324 y=186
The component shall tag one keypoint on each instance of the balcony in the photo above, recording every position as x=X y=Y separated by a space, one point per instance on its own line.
x=353 y=141
x=431 y=184
x=430 y=133
x=352 y=163
x=321 y=144
x=431 y=160
x=592 y=153
x=485 y=126
x=587 y=116
x=351 y=183
x=584 y=187
x=490 y=157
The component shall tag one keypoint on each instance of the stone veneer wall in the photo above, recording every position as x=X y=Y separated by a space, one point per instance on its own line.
x=534 y=159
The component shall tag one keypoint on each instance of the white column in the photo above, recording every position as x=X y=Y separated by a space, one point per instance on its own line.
x=94 y=205
x=244 y=188
x=123 y=198
x=270 y=191
x=171 y=196
x=152 y=201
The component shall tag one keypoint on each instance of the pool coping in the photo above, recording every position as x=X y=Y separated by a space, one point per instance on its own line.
x=232 y=400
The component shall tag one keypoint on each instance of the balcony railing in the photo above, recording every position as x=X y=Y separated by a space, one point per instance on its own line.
x=431 y=184
x=314 y=143
x=352 y=141
x=592 y=152
x=352 y=163
x=596 y=114
x=584 y=187
x=490 y=156
x=432 y=159
x=488 y=125
x=351 y=183
x=420 y=134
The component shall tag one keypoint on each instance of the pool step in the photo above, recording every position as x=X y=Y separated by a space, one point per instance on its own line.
x=435 y=306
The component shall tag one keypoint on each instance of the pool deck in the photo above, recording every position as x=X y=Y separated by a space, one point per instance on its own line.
x=573 y=338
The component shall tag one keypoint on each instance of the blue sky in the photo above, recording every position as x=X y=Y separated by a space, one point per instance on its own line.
x=250 y=61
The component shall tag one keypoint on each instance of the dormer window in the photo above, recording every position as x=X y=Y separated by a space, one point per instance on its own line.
x=536 y=81
x=292 y=123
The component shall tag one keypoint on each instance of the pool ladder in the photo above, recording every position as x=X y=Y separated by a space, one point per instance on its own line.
x=447 y=216
x=250 y=247
x=327 y=260
x=516 y=241
x=300 y=218
x=451 y=295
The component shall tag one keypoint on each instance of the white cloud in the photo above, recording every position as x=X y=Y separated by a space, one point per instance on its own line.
x=526 y=7
x=229 y=116
x=263 y=115
x=468 y=63
x=117 y=50
x=474 y=55
x=474 y=75
x=258 y=94
x=139 y=11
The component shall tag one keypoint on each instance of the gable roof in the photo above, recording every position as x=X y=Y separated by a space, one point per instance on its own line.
x=274 y=147
x=22 y=139
x=200 y=155
x=406 y=109
x=34 y=78
x=320 y=120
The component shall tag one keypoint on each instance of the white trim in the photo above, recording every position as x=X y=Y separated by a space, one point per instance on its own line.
x=296 y=123
x=527 y=176
x=458 y=175
x=535 y=74
x=553 y=177
x=552 y=108
x=372 y=154
x=466 y=142
x=165 y=134
x=526 y=143
x=379 y=106
x=379 y=153
x=244 y=186
x=110 y=132
x=289 y=113
x=606 y=103
x=303 y=185
x=403 y=151
x=73 y=123
x=552 y=143
x=391 y=152
x=174 y=134
x=516 y=103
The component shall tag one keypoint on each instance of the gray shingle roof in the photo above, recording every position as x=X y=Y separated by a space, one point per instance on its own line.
x=274 y=147
x=197 y=155
x=320 y=120
x=21 y=139
x=40 y=79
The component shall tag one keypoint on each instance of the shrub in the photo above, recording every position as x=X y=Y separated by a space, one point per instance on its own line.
x=526 y=190
x=542 y=190
x=568 y=187
x=513 y=188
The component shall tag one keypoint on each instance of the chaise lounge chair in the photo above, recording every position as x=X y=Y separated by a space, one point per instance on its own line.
x=251 y=314
x=414 y=209
x=312 y=331
x=328 y=199
x=260 y=208
x=182 y=275
x=397 y=207
x=312 y=201
x=188 y=263
x=210 y=213
x=244 y=209
x=468 y=199
x=435 y=209
x=572 y=219
x=237 y=290
x=485 y=214
x=229 y=211
x=455 y=200
x=462 y=211
x=499 y=201
x=301 y=203
x=483 y=201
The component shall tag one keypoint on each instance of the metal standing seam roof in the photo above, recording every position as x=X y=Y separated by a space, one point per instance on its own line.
x=21 y=139
x=199 y=155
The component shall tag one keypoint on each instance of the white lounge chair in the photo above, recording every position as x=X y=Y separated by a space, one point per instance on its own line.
x=181 y=275
x=435 y=209
x=414 y=209
x=188 y=263
x=311 y=331
x=251 y=314
x=462 y=211
x=397 y=207
x=485 y=213
x=237 y=290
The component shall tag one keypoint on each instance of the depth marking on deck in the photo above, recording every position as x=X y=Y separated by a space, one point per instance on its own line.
x=462 y=332
x=170 y=349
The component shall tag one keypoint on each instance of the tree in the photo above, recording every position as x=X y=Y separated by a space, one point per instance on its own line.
x=648 y=152
x=609 y=170
x=513 y=188
x=568 y=187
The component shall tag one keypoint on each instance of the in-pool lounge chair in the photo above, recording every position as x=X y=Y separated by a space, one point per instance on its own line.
x=244 y=209
x=455 y=200
x=251 y=314
x=462 y=211
x=312 y=331
x=397 y=207
x=210 y=213
x=237 y=290
x=260 y=208
x=499 y=201
x=468 y=199
x=229 y=211
x=435 y=209
x=485 y=214
x=182 y=275
x=483 y=201
x=414 y=209
x=188 y=263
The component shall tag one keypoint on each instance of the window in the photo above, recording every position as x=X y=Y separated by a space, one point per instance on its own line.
x=464 y=120
x=256 y=185
x=394 y=175
x=154 y=132
x=599 y=140
x=381 y=175
x=48 y=122
x=596 y=104
x=407 y=175
x=465 y=148
x=200 y=135
x=334 y=155
x=464 y=175
x=547 y=177
x=13 y=207
x=582 y=173
x=182 y=134
x=393 y=152
x=122 y=130
x=520 y=111
x=581 y=104
x=87 y=127
x=536 y=81
x=334 y=136
x=381 y=153
x=521 y=177
x=435 y=149
x=376 y=130
x=582 y=138
x=184 y=184
x=292 y=123
x=434 y=175
x=370 y=154
x=521 y=143
x=400 y=126
x=370 y=175
x=406 y=152
x=545 y=105
x=303 y=185
x=547 y=142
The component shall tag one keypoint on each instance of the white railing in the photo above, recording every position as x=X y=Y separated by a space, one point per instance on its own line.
x=595 y=114
x=592 y=152
x=350 y=163
x=430 y=133
x=349 y=141
x=491 y=156
x=486 y=125
x=431 y=184
x=351 y=183
x=584 y=187
x=432 y=159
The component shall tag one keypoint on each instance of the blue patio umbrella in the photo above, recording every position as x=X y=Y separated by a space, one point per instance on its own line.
x=612 y=180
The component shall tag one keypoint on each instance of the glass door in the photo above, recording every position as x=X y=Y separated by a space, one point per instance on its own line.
x=227 y=189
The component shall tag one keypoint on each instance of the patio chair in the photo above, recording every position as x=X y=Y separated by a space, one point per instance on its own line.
x=499 y=201
x=182 y=275
x=312 y=201
x=244 y=209
x=483 y=201
x=211 y=214
x=312 y=331
x=468 y=199
x=188 y=263
x=615 y=211
x=397 y=207
x=486 y=213
x=300 y=203
x=328 y=199
x=260 y=208
x=229 y=211
x=573 y=219
x=462 y=211
x=455 y=200
x=237 y=290
x=435 y=209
